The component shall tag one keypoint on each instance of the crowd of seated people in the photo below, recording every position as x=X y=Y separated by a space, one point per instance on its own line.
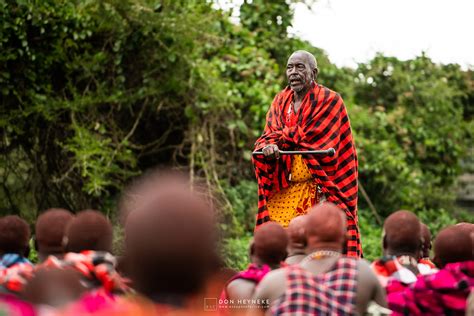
x=170 y=262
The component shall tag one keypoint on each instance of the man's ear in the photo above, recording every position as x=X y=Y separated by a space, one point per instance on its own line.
x=252 y=249
x=35 y=243
x=384 y=242
x=305 y=241
x=315 y=73
x=344 y=243
x=26 y=251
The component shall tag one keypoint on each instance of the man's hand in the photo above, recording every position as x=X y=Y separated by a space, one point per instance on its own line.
x=271 y=151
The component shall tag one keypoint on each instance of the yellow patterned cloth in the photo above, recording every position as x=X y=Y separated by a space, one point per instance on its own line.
x=296 y=199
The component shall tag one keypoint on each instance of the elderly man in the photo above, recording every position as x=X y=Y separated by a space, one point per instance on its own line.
x=307 y=116
x=325 y=282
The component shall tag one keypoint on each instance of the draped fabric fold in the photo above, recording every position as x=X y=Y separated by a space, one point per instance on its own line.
x=322 y=123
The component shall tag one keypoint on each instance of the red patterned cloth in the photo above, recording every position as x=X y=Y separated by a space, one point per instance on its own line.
x=442 y=293
x=322 y=123
x=253 y=273
x=391 y=267
x=14 y=278
x=97 y=268
x=330 y=293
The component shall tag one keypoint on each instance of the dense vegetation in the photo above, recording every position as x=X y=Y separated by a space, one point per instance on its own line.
x=95 y=92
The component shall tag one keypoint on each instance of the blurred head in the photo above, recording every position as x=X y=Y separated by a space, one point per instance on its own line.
x=297 y=233
x=426 y=238
x=53 y=287
x=301 y=70
x=14 y=235
x=466 y=227
x=89 y=230
x=50 y=230
x=170 y=243
x=453 y=244
x=402 y=234
x=269 y=244
x=326 y=228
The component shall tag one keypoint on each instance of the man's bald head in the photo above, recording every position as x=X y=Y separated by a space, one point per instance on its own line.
x=301 y=71
x=453 y=244
x=326 y=226
x=89 y=230
x=14 y=235
x=170 y=242
x=269 y=243
x=309 y=58
x=402 y=234
x=50 y=230
x=297 y=232
x=467 y=227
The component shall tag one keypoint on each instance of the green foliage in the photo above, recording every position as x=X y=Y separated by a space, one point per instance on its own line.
x=236 y=252
x=243 y=198
x=33 y=254
x=410 y=132
x=371 y=235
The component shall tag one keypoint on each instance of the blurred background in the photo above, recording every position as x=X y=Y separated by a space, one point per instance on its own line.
x=94 y=93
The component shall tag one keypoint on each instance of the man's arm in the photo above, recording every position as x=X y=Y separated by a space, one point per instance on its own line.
x=268 y=290
x=371 y=284
x=240 y=289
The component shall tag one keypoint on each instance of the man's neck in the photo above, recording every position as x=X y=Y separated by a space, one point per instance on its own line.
x=296 y=251
x=299 y=96
x=324 y=247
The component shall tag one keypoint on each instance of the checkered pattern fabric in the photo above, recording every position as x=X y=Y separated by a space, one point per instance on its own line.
x=442 y=293
x=14 y=271
x=330 y=293
x=97 y=269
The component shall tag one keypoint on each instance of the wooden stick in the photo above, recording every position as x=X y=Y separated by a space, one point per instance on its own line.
x=325 y=152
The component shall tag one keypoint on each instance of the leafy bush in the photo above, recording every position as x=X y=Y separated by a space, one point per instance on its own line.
x=236 y=252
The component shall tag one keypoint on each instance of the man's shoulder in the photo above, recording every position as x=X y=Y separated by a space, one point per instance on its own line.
x=282 y=93
x=274 y=277
x=329 y=92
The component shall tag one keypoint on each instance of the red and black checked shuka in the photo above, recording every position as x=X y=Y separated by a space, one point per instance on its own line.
x=330 y=293
x=322 y=123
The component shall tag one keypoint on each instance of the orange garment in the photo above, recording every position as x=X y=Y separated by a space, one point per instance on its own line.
x=296 y=199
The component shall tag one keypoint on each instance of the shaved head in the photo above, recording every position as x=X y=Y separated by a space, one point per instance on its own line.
x=301 y=71
x=453 y=244
x=402 y=234
x=326 y=224
x=297 y=232
x=270 y=243
x=170 y=243
x=89 y=230
x=14 y=235
x=309 y=58
x=467 y=227
x=50 y=229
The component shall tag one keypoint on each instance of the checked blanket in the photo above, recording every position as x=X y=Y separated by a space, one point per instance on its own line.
x=322 y=123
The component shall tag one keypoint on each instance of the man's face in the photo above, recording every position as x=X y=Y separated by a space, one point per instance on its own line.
x=299 y=72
